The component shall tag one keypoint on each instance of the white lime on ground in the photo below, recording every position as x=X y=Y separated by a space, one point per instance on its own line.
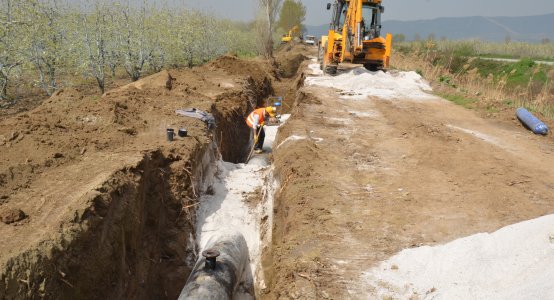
x=515 y=262
x=224 y=210
x=315 y=69
x=359 y=83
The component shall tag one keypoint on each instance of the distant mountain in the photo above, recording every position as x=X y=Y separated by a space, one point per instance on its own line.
x=527 y=29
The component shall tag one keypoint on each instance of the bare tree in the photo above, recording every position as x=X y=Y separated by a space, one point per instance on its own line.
x=96 y=31
x=133 y=40
x=46 y=41
x=51 y=41
x=270 y=9
x=9 y=58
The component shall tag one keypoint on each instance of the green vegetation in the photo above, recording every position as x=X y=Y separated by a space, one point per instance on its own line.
x=460 y=100
x=293 y=13
x=465 y=77
x=522 y=73
x=49 y=44
x=462 y=57
x=477 y=48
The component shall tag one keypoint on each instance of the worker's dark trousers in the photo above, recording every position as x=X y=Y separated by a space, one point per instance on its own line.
x=261 y=138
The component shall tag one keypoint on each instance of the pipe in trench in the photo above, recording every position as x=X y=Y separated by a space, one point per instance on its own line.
x=222 y=281
x=218 y=280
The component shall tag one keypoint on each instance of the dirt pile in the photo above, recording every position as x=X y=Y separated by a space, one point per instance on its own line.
x=109 y=203
x=233 y=65
x=10 y=216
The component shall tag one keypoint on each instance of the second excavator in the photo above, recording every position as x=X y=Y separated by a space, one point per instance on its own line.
x=355 y=36
x=287 y=38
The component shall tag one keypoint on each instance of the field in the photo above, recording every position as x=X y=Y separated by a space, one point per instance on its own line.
x=460 y=72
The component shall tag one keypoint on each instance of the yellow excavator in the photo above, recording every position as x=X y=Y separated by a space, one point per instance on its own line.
x=288 y=37
x=355 y=36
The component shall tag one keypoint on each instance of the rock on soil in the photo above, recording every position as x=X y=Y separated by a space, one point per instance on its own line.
x=10 y=216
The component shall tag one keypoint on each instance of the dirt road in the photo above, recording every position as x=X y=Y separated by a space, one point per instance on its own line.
x=364 y=177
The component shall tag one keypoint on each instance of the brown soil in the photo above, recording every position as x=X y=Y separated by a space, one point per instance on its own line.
x=109 y=201
x=9 y=216
x=289 y=58
x=374 y=177
x=292 y=62
x=96 y=203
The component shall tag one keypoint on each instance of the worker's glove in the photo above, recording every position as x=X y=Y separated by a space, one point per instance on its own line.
x=257 y=126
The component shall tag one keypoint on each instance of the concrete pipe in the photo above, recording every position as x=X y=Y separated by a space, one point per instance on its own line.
x=219 y=269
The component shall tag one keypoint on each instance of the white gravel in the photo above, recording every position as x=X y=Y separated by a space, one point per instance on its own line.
x=224 y=211
x=359 y=83
x=515 y=262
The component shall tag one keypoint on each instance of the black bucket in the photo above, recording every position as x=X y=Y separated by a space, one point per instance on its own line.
x=170 y=134
x=182 y=132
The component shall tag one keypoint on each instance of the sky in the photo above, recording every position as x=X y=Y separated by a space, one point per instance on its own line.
x=403 y=10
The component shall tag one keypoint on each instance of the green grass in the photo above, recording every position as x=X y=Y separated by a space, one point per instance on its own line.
x=509 y=102
x=246 y=54
x=458 y=62
x=516 y=74
x=460 y=100
x=477 y=48
x=447 y=80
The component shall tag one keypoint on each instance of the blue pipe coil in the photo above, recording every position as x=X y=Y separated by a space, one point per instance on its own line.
x=536 y=125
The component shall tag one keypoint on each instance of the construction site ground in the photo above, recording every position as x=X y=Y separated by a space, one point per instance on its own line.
x=96 y=203
x=364 y=178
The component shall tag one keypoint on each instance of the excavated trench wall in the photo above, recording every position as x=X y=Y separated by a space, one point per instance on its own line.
x=133 y=234
x=284 y=172
x=136 y=239
x=232 y=135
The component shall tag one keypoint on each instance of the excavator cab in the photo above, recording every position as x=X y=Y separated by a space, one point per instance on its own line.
x=375 y=52
x=371 y=22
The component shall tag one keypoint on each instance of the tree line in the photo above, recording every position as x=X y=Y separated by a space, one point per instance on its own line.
x=50 y=41
x=53 y=43
x=276 y=17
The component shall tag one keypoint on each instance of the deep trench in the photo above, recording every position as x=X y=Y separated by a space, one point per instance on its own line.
x=136 y=240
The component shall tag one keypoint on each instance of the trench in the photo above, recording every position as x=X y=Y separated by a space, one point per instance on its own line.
x=238 y=200
x=146 y=226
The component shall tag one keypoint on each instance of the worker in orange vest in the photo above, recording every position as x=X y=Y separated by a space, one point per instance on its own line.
x=256 y=120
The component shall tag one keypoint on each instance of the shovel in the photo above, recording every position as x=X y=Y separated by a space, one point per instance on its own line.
x=254 y=144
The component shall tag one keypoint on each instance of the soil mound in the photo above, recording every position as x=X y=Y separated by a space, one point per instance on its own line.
x=158 y=81
x=232 y=65
x=9 y=216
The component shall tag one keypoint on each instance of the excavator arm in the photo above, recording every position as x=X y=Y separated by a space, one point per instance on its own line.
x=292 y=32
